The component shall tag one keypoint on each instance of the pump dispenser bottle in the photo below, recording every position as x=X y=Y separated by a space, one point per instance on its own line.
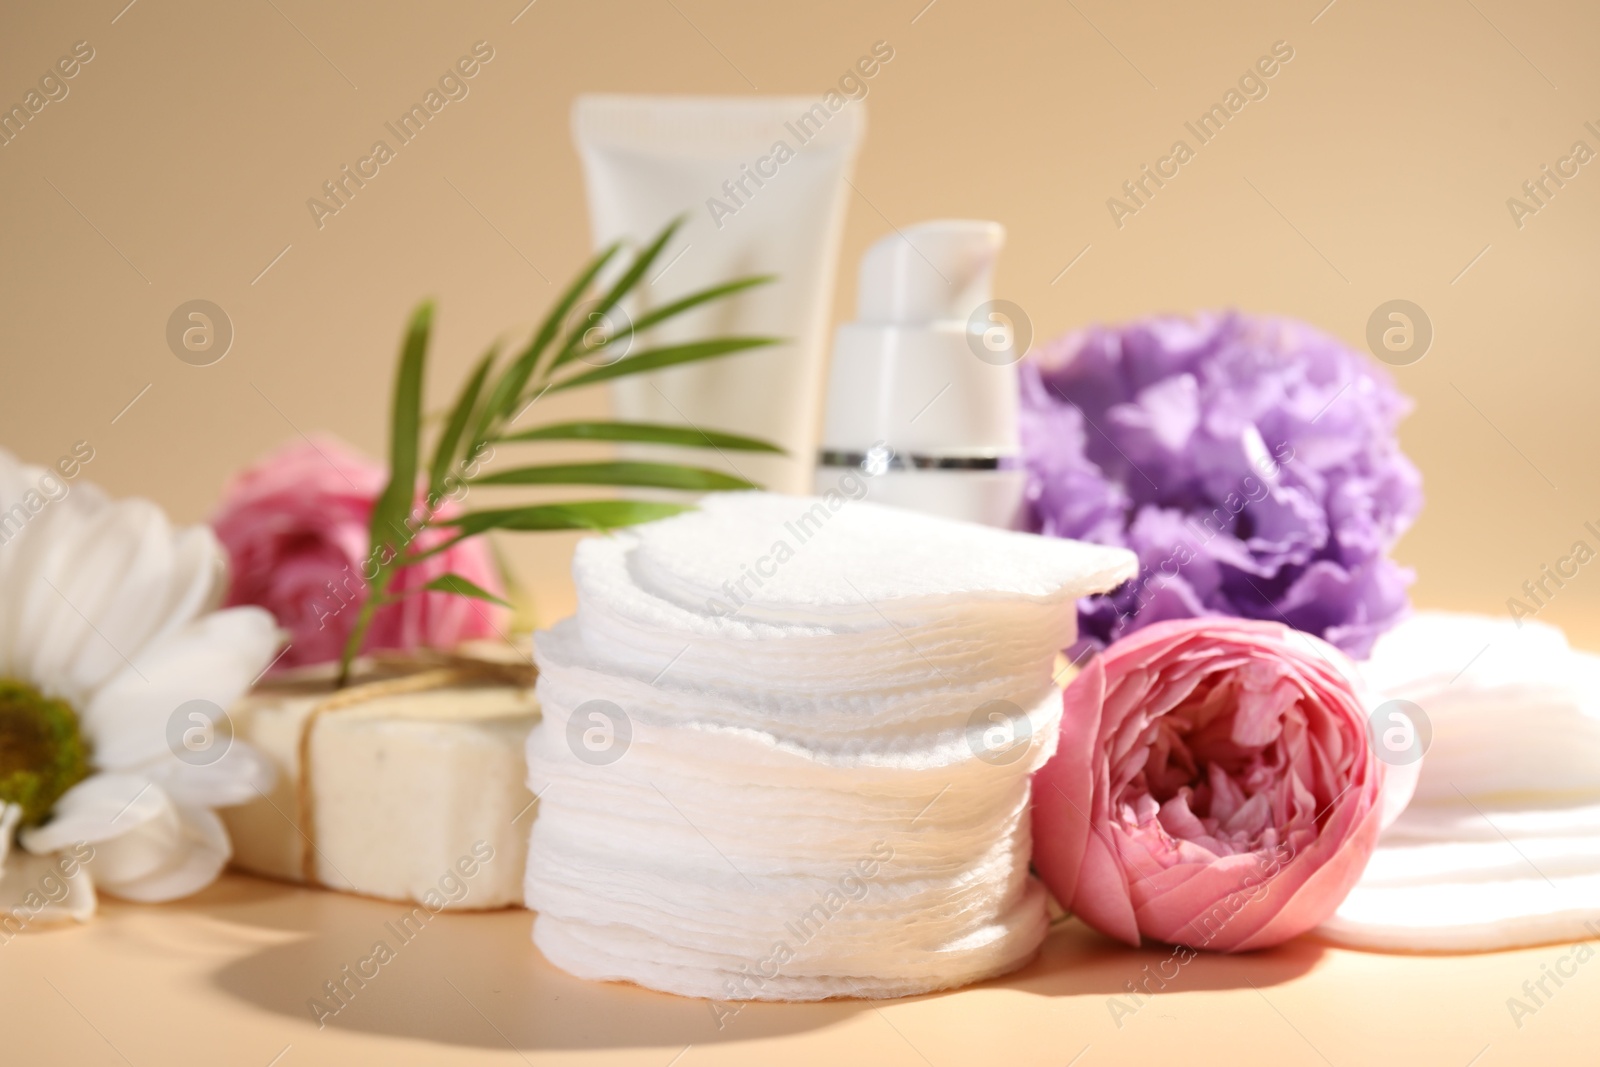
x=922 y=395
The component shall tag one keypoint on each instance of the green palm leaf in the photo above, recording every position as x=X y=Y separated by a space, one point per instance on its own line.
x=450 y=438
x=621 y=287
x=654 y=433
x=666 y=311
x=454 y=583
x=394 y=506
x=489 y=401
x=577 y=515
x=652 y=475
x=668 y=356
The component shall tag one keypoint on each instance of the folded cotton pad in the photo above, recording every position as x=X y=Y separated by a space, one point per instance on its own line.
x=404 y=787
x=1500 y=846
x=786 y=749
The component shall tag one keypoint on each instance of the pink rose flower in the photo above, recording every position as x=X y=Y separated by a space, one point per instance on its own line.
x=295 y=528
x=1214 y=787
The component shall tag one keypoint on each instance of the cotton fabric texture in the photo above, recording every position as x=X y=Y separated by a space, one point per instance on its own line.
x=1500 y=847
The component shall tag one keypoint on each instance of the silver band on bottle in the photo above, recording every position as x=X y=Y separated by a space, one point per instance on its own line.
x=898 y=461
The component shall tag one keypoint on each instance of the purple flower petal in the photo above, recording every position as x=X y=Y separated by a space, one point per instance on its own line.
x=1250 y=462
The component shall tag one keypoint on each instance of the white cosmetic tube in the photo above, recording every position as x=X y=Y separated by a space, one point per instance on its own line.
x=762 y=184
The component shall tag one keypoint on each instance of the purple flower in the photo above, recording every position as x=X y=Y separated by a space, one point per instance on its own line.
x=1251 y=463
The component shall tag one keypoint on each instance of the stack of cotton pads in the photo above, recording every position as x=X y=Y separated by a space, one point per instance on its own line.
x=786 y=747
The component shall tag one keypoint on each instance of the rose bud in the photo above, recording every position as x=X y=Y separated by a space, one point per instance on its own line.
x=295 y=526
x=1214 y=786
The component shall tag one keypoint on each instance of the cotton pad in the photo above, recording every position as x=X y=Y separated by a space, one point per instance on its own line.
x=785 y=558
x=840 y=604
x=1500 y=846
x=810 y=787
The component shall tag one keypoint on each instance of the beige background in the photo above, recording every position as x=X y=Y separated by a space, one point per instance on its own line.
x=179 y=166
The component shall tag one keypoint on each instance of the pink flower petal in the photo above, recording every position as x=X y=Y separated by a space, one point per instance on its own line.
x=1213 y=786
x=295 y=528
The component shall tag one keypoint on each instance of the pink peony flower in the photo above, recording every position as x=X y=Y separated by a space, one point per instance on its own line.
x=1214 y=786
x=295 y=528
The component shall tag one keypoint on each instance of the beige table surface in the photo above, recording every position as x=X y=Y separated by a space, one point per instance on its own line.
x=224 y=978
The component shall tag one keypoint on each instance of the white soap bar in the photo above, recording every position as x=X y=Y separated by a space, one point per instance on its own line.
x=409 y=792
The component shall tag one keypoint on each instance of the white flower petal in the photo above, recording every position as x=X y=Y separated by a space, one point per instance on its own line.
x=145 y=849
x=104 y=604
x=135 y=829
x=214 y=658
x=241 y=774
x=49 y=630
x=33 y=538
x=98 y=809
x=189 y=862
x=194 y=582
x=129 y=580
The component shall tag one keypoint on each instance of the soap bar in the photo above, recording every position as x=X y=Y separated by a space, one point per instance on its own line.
x=410 y=792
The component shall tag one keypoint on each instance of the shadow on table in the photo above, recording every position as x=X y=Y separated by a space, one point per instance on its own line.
x=475 y=979
x=1076 y=961
x=463 y=979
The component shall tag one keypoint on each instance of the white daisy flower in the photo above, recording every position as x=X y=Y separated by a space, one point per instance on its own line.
x=111 y=654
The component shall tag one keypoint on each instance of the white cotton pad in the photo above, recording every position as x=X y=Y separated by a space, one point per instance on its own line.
x=790 y=967
x=875 y=601
x=821 y=794
x=640 y=634
x=786 y=558
x=1444 y=879
x=690 y=853
x=1501 y=846
x=821 y=716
